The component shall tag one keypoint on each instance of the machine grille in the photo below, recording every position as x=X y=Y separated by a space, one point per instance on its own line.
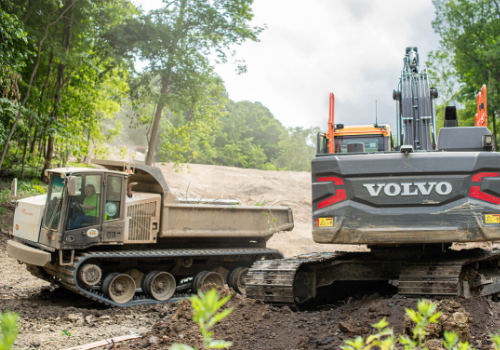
x=140 y=221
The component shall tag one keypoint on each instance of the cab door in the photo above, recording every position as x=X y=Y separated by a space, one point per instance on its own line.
x=83 y=224
x=114 y=209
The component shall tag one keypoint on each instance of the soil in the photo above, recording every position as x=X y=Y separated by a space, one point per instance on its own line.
x=255 y=325
x=54 y=318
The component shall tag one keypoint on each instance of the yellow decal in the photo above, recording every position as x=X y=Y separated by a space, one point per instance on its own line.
x=492 y=219
x=324 y=222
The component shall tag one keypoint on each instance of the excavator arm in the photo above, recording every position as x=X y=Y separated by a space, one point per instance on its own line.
x=482 y=110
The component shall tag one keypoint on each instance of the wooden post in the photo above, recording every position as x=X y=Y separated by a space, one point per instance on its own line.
x=13 y=188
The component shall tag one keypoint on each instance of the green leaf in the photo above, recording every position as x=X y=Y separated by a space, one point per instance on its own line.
x=219 y=344
x=177 y=346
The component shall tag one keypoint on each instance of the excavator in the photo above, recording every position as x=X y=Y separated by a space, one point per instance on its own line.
x=375 y=137
x=408 y=206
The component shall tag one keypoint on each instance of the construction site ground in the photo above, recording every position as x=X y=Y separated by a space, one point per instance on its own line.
x=53 y=318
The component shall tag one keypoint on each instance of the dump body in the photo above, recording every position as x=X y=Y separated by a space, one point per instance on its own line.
x=396 y=198
x=224 y=221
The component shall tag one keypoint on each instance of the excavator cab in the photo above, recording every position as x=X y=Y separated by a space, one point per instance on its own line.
x=357 y=138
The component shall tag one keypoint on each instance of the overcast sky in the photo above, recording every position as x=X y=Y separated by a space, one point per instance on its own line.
x=353 y=48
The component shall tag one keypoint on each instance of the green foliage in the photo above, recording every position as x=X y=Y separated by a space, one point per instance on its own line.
x=8 y=324
x=296 y=149
x=469 y=55
x=383 y=339
x=79 y=83
x=426 y=314
x=496 y=340
x=25 y=188
x=186 y=34
x=205 y=307
x=246 y=135
x=66 y=332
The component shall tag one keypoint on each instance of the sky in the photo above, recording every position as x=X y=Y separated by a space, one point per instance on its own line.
x=353 y=48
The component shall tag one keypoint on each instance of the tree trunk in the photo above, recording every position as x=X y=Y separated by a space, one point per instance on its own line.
x=180 y=34
x=24 y=157
x=156 y=124
x=27 y=14
x=33 y=143
x=66 y=40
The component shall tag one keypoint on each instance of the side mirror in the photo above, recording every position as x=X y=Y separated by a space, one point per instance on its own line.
x=71 y=186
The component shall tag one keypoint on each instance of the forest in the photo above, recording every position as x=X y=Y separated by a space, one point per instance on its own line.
x=70 y=86
x=84 y=79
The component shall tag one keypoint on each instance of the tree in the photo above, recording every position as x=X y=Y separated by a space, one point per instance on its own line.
x=48 y=24
x=470 y=33
x=176 y=42
x=295 y=152
x=76 y=79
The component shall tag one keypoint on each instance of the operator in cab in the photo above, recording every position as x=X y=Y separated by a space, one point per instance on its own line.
x=90 y=208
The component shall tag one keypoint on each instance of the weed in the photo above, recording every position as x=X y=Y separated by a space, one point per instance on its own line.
x=8 y=324
x=205 y=307
x=66 y=332
x=426 y=314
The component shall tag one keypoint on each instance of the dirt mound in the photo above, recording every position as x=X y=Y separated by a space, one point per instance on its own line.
x=255 y=325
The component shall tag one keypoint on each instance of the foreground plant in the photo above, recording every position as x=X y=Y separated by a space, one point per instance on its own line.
x=205 y=314
x=426 y=314
x=8 y=324
x=383 y=339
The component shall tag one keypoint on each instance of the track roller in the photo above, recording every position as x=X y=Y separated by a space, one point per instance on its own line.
x=119 y=287
x=89 y=274
x=160 y=285
x=207 y=277
x=237 y=279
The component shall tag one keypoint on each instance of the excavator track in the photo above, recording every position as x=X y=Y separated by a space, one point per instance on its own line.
x=67 y=275
x=273 y=280
x=279 y=282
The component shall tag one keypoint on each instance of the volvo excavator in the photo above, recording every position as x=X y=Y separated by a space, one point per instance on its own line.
x=408 y=206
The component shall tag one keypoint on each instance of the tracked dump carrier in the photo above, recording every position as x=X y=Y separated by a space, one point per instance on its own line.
x=408 y=206
x=118 y=236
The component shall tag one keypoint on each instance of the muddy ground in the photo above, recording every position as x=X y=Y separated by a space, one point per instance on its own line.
x=53 y=318
x=254 y=325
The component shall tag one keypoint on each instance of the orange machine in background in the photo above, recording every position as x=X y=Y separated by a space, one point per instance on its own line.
x=375 y=138
x=482 y=109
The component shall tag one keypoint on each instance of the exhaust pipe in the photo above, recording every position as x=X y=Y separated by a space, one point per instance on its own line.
x=129 y=189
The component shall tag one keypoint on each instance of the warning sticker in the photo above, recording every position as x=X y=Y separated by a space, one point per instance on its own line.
x=324 y=222
x=492 y=219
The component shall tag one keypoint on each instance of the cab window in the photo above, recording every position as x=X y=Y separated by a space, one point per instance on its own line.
x=113 y=197
x=85 y=208
x=372 y=143
x=54 y=202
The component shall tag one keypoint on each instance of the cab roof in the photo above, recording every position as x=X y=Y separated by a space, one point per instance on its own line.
x=381 y=129
x=72 y=170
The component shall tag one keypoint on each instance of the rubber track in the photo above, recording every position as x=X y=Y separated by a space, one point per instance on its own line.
x=68 y=274
x=272 y=280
